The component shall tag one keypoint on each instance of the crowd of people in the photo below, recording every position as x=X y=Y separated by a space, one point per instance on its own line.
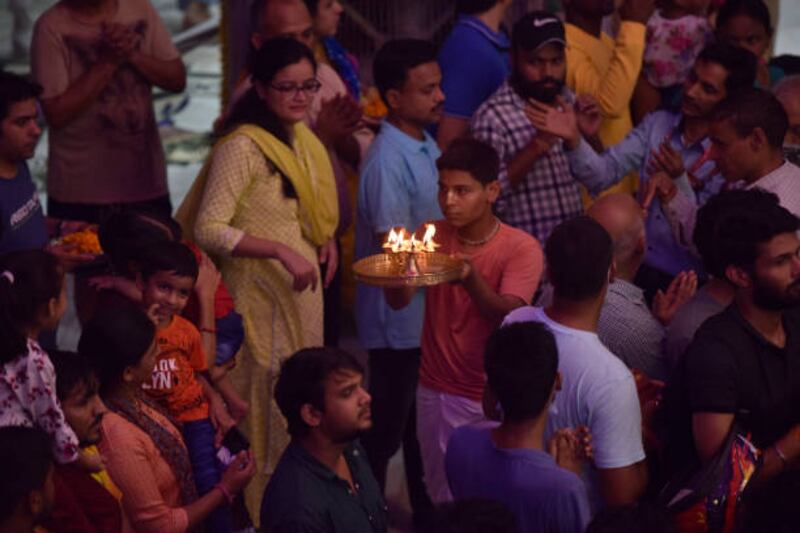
x=620 y=350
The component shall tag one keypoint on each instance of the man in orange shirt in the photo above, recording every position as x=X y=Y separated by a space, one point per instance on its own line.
x=502 y=268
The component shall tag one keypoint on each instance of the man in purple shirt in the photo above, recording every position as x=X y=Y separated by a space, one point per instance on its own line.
x=509 y=462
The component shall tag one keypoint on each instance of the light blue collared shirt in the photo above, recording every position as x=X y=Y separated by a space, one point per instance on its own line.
x=399 y=186
x=598 y=172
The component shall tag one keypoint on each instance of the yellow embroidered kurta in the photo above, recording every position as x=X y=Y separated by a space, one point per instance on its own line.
x=245 y=195
x=607 y=70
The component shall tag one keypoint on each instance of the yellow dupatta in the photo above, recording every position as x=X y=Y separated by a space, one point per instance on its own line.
x=308 y=169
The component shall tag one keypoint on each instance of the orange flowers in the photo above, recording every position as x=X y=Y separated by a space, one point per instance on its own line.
x=373 y=104
x=83 y=242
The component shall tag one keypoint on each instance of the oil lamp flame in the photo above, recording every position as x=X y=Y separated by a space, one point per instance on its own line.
x=399 y=242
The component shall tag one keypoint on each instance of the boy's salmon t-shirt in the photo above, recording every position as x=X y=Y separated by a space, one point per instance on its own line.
x=174 y=384
x=454 y=333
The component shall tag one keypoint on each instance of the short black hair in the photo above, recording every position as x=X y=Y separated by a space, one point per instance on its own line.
x=33 y=278
x=754 y=9
x=126 y=233
x=27 y=459
x=114 y=340
x=73 y=370
x=474 y=7
x=302 y=381
x=169 y=256
x=740 y=64
x=755 y=108
x=578 y=255
x=478 y=158
x=521 y=362
x=13 y=89
x=739 y=233
x=713 y=212
x=395 y=58
x=633 y=518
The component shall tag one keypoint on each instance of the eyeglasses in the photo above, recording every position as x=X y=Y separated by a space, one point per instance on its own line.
x=289 y=88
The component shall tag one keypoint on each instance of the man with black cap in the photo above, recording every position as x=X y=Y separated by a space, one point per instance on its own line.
x=537 y=189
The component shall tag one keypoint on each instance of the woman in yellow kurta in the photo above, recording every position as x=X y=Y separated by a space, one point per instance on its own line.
x=265 y=207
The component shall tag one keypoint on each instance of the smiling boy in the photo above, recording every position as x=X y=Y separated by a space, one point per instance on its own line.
x=502 y=268
x=180 y=376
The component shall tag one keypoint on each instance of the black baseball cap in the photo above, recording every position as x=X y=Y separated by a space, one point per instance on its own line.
x=537 y=29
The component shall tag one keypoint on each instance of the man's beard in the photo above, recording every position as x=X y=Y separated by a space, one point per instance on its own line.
x=346 y=437
x=544 y=90
x=773 y=299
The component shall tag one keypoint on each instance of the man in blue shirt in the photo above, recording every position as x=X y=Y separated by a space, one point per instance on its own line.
x=509 y=463
x=475 y=61
x=674 y=143
x=398 y=188
x=22 y=223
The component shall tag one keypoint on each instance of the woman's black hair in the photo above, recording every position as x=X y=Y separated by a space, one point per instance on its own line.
x=265 y=62
x=754 y=9
x=28 y=281
x=114 y=341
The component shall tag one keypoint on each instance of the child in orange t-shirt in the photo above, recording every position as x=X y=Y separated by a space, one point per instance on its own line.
x=180 y=381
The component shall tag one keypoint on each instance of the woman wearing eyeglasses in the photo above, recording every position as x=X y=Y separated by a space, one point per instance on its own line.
x=265 y=206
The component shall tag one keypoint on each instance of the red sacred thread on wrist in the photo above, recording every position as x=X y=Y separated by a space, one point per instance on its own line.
x=208 y=330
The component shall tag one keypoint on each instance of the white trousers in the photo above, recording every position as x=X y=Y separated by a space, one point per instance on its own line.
x=438 y=415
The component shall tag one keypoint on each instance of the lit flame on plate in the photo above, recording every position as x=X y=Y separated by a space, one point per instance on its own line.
x=398 y=241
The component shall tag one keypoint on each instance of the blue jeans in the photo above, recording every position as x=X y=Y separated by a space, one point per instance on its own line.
x=230 y=335
x=207 y=470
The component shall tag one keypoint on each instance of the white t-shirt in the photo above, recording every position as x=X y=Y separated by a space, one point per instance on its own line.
x=597 y=391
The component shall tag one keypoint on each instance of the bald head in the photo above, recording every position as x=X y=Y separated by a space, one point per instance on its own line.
x=281 y=18
x=621 y=216
x=787 y=91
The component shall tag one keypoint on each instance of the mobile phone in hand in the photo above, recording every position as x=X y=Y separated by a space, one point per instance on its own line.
x=233 y=443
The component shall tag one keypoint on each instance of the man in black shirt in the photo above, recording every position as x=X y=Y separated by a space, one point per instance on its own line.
x=323 y=481
x=742 y=370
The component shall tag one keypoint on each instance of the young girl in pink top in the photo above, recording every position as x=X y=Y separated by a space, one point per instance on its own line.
x=32 y=300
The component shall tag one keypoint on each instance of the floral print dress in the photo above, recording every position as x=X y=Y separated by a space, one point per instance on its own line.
x=671 y=47
x=28 y=398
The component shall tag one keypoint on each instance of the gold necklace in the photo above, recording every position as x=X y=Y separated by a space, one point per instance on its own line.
x=483 y=241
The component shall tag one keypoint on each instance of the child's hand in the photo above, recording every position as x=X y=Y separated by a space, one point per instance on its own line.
x=152 y=313
x=207 y=278
x=238 y=408
x=91 y=462
x=220 y=419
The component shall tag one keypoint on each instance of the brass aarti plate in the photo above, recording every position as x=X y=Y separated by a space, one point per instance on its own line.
x=407 y=270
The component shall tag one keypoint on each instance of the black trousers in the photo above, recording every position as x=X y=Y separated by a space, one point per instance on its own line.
x=393 y=376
